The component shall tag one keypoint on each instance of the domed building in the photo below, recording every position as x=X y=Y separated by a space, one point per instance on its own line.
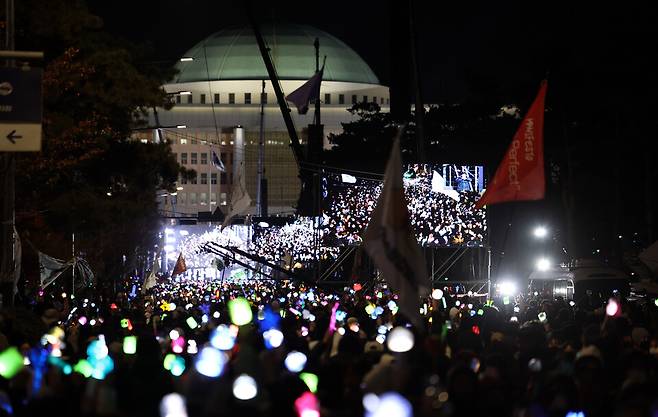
x=217 y=95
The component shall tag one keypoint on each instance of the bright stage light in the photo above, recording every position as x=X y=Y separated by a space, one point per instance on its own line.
x=540 y=232
x=543 y=264
x=507 y=288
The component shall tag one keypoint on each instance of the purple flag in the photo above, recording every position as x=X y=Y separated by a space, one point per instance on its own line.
x=308 y=92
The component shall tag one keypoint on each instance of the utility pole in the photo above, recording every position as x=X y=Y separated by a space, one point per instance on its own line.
x=8 y=186
x=20 y=127
x=261 y=156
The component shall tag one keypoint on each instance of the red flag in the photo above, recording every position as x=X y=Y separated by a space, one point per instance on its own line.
x=180 y=267
x=520 y=176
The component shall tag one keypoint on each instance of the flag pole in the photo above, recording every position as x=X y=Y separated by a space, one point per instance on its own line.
x=261 y=154
x=73 y=270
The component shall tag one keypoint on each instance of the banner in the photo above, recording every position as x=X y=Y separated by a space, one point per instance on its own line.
x=520 y=176
x=390 y=242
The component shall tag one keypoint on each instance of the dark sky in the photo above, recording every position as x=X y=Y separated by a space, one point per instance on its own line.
x=460 y=44
x=508 y=40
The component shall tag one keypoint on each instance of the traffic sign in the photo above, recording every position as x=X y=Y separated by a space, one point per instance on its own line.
x=20 y=137
x=20 y=109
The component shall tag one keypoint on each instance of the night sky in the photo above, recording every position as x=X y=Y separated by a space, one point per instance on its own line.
x=601 y=94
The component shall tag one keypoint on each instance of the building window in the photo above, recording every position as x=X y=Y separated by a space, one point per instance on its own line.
x=189 y=99
x=202 y=99
x=341 y=98
x=183 y=158
x=327 y=99
x=263 y=98
x=353 y=98
x=183 y=180
x=374 y=99
x=192 y=198
x=193 y=180
x=182 y=198
x=204 y=158
x=222 y=197
x=216 y=98
x=365 y=99
x=213 y=198
x=247 y=98
x=231 y=98
x=183 y=141
x=388 y=100
x=213 y=178
x=204 y=178
x=177 y=99
x=223 y=178
x=203 y=198
x=193 y=158
x=381 y=100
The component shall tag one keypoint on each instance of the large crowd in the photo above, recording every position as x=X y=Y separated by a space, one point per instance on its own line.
x=277 y=348
x=439 y=219
x=292 y=244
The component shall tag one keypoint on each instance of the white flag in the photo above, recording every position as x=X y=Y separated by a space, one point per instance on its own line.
x=150 y=280
x=240 y=200
x=390 y=241
x=51 y=268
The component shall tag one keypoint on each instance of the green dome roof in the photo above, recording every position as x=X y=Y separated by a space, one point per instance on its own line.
x=233 y=54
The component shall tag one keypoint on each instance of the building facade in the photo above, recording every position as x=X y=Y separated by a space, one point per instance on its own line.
x=218 y=94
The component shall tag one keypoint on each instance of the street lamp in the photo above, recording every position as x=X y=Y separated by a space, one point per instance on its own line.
x=186 y=59
x=540 y=232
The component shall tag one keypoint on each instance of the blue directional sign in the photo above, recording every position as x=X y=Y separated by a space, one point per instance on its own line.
x=20 y=109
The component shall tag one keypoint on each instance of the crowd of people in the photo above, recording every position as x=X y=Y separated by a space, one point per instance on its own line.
x=439 y=218
x=292 y=244
x=278 y=348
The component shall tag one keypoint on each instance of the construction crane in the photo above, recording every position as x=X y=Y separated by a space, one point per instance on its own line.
x=309 y=201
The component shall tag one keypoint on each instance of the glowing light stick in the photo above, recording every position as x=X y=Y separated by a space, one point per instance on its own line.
x=612 y=308
x=11 y=362
x=400 y=340
x=240 y=311
x=130 y=345
x=192 y=323
x=307 y=405
x=311 y=381
x=244 y=387
x=173 y=405
x=295 y=361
